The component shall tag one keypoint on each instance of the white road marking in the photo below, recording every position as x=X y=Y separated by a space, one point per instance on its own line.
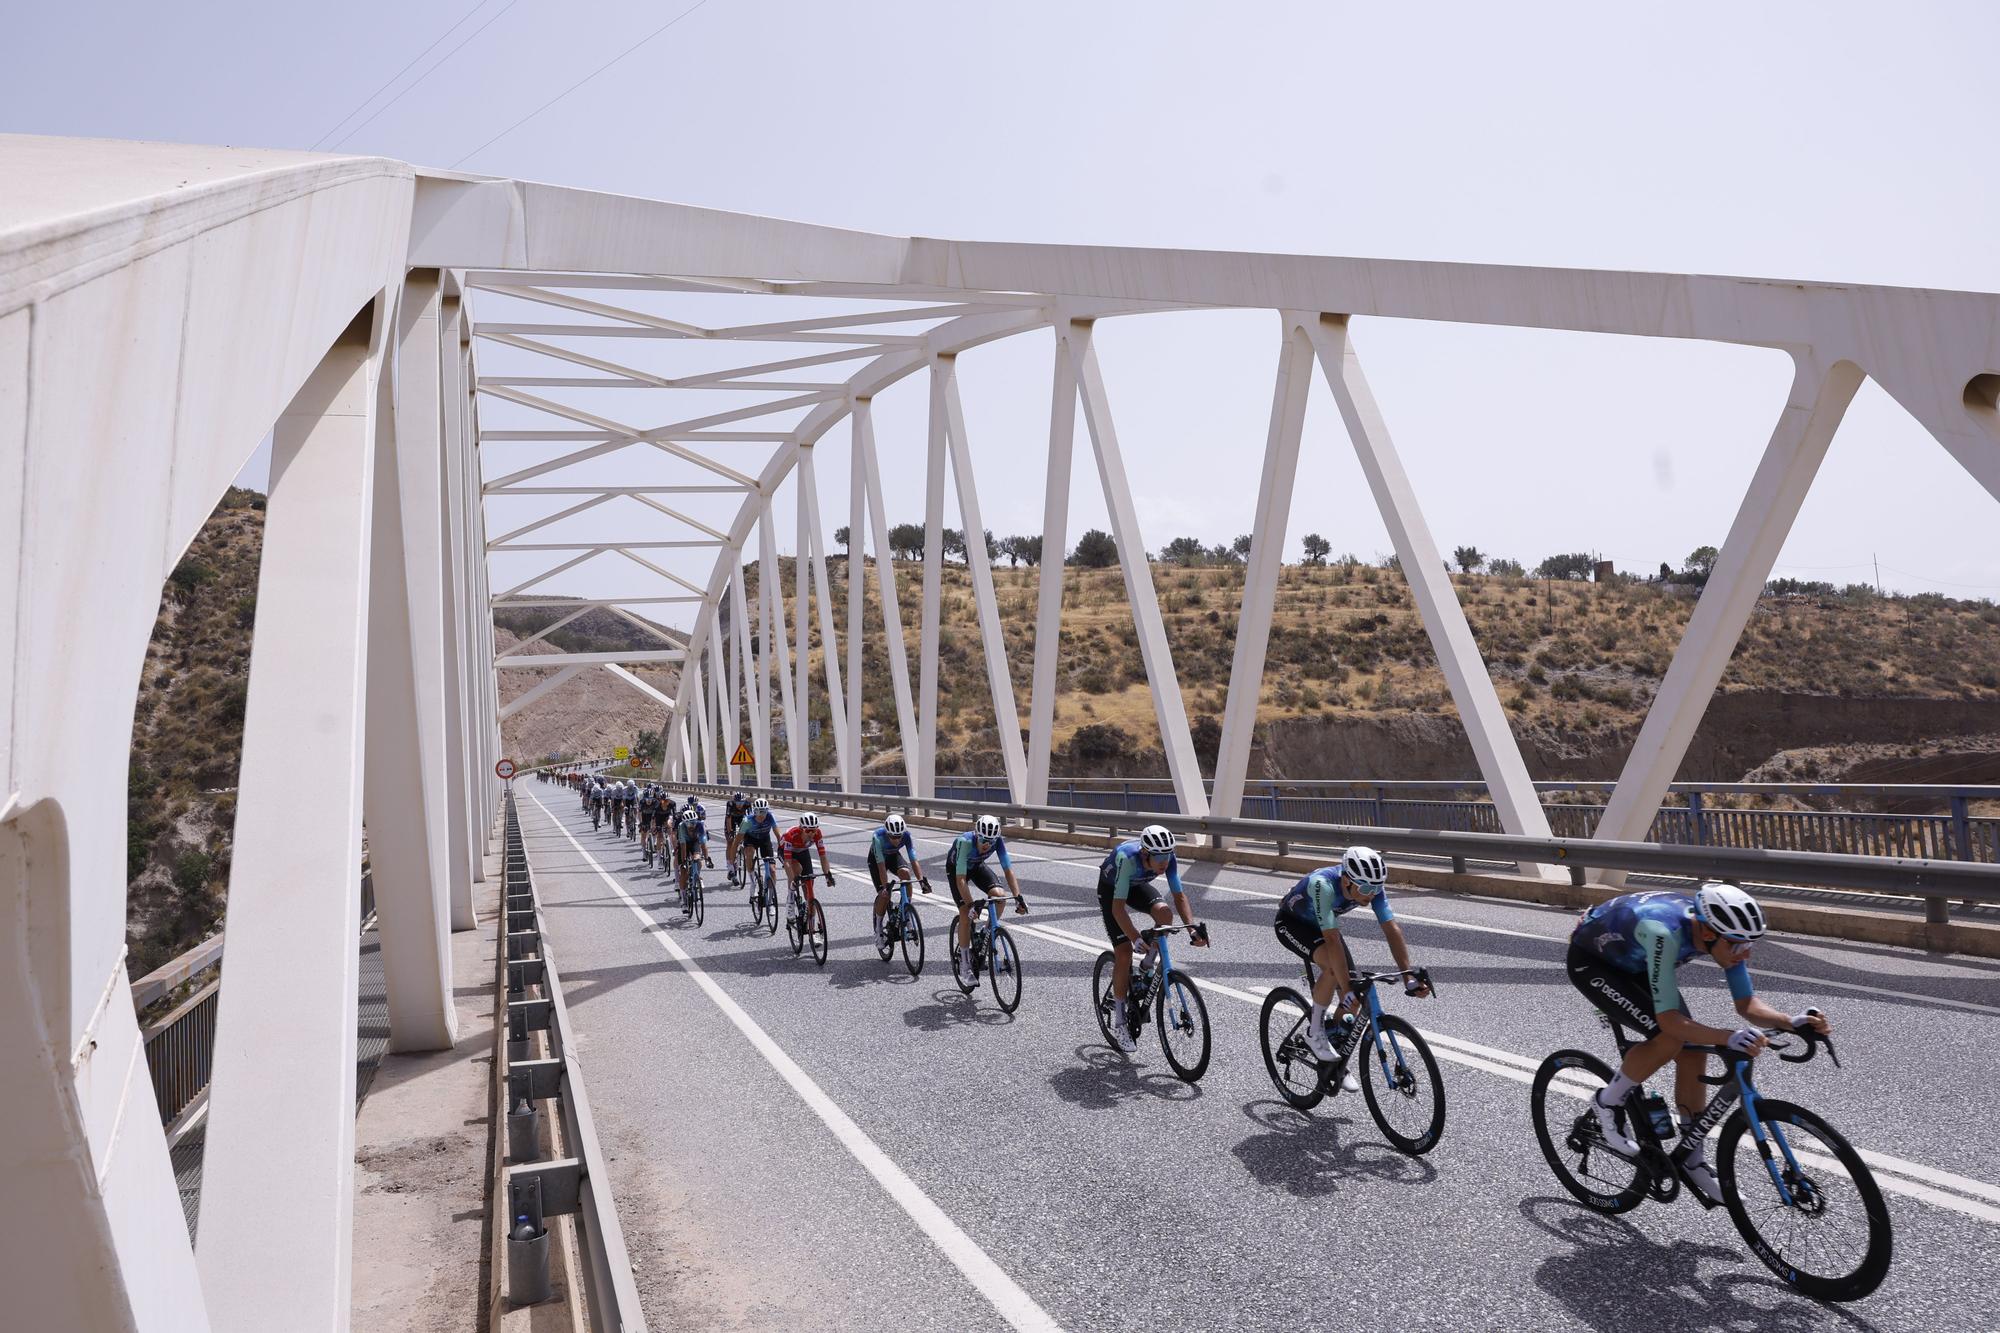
x=1006 y=1296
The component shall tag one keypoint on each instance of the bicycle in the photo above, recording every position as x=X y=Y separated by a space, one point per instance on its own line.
x=1303 y=1080
x=993 y=950
x=1808 y=1184
x=763 y=893
x=596 y=815
x=692 y=902
x=902 y=926
x=1181 y=1014
x=805 y=922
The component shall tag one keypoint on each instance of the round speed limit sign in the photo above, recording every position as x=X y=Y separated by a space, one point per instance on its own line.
x=505 y=768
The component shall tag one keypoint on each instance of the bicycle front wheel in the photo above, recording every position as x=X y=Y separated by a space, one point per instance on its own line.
x=1281 y=1027
x=1407 y=1100
x=1004 y=972
x=1598 y=1177
x=1805 y=1201
x=913 y=941
x=699 y=909
x=770 y=909
x=1183 y=1023
x=1101 y=998
x=795 y=928
x=816 y=931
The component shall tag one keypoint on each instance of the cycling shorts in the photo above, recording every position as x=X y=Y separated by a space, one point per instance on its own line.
x=881 y=867
x=800 y=858
x=1140 y=900
x=760 y=842
x=1296 y=937
x=1623 y=997
x=980 y=876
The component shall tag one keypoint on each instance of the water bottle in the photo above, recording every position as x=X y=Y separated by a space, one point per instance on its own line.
x=524 y=1229
x=1661 y=1116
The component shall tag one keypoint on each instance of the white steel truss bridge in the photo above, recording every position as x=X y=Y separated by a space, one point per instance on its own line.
x=439 y=361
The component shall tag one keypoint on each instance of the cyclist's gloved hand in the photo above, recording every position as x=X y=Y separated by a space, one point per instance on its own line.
x=1198 y=935
x=1811 y=1018
x=1416 y=986
x=926 y=883
x=1746 y=1041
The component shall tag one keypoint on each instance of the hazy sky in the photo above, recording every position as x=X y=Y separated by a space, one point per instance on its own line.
x=1849 y=142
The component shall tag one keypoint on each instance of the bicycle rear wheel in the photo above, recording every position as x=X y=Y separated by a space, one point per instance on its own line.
x=913 y=941
x=1004 y=971
x=1827 y=1231
x=771 y=912
x=1407 y=1101
x=700 y=910
x=1598 y=1177
x=1182 y=1017
x=1281 y=1027
x=816 y=931
x=1100 y=994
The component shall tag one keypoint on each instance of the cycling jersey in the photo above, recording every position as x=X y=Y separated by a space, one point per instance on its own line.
x=692 y=836
x=1317 y=903
x=732 y=814
x=756 y=824
x=798 y=838
x=885 y=844
x=965 y=853
x=1123 y=870
x=1650 y=933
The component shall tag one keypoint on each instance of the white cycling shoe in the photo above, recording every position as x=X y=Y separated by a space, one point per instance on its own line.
x=1607 y=1129
x=1317 y=1043
x=1701 y=1175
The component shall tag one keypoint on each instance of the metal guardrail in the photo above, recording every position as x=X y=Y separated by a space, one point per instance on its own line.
x=1955 y=834
x=1938 y=882
x=577 y=1184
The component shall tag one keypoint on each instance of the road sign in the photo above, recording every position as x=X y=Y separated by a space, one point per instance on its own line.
x=505 y=768
x=621 y=752
x=742 y=755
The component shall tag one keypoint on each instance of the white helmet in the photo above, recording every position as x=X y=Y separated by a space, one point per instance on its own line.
x=760 y=804
x=1157 y=839
x=987 y=828
x=808 y=820
x=1728 y=911
x=894 y=826
x=1363 y=865
x=690 y=815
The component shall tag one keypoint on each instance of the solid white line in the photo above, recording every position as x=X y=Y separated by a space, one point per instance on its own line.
x=1006 y=1296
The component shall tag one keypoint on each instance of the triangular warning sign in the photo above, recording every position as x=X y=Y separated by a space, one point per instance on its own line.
x=742 y=755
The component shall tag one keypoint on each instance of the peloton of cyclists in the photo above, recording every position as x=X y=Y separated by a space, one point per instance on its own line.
x=965 y=864
x=1125 y=884
x=1308 y=924
x=1623 y=954
x=891 y=852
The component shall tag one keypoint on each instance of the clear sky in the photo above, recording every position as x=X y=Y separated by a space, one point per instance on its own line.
x=1851 y=142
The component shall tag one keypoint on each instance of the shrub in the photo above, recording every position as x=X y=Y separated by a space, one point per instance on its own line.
x=191 y=870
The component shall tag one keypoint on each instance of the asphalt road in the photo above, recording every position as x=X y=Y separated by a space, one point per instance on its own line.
x=845 y=1146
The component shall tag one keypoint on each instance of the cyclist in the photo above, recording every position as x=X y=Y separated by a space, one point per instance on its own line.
x=596 y=798
x=631 y=807
x=757 y=832
x=1308 y=924
x=1622 y=956
x=965 y=862
x=690 y=841
x=887 y=849
x=795 y=848
x=1125 y=882
x=732 y=815
x=649 y=810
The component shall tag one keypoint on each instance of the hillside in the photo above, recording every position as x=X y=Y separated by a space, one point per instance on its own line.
x=1352 y=687
x=593 y=711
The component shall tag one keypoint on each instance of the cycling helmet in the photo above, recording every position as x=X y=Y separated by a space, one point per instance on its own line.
x=894 y=826
x=987 y=829
x=1157 y=839
x=689 y=815
x=1728 y=911
x=808 y=820
x=760 y=804
x=739 y=797
x=1363 y=867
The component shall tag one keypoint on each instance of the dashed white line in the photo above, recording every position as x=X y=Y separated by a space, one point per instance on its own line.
x=1006 y=1296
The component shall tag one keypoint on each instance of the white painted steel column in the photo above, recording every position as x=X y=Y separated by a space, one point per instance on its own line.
x=1813 y=410
x=404 y=793
x=999 y=679
x=857 y=542
x=760 y=716
x=1055 y=542
x=722 y=665
x=777 y=652
x=802 y=640
x=1500 y=762
x=277 y=1199
x=925 y=781
x=478 y=611
x=836 y=704
x=1267 y=553
x=885 y=579
x=702 y=711
x=1159 y=659
x=457 y=594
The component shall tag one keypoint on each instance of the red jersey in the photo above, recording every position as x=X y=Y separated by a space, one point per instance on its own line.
x=796 y=838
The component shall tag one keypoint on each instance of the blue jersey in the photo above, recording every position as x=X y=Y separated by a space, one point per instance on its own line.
x=1125 y=868
x=1317 y=903
x=1651 y=933
x=885 y=842
x=758 y=824
x=965 y=853
x=691 y=835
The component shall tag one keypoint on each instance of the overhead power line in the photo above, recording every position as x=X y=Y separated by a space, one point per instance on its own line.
x=580 y=82
x=363 y=103
x=440 y=64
